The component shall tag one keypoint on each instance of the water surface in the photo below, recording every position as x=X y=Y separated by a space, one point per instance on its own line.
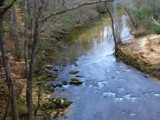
x=111 y=90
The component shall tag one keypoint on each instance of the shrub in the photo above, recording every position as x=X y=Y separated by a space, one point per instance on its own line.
x=101 y=8
x=143 y=16
x=155 y=29
x=143 y=13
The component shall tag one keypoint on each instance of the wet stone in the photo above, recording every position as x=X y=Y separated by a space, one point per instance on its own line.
x=75 y=64
x=75 y=81
x=73 y=72
x=147 y=76
x=49 y=67
x=64 y=82
x=58 y=85
x=61 y=103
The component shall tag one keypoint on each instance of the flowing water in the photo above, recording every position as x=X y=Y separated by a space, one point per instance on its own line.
x=111 y=90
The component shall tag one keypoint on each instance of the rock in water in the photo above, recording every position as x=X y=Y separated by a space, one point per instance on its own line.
x=64 y=82
x=75 y=81
x=49 y=67
x=73 y=72
x=61 y=103
x=147 y=76
x=75 y=64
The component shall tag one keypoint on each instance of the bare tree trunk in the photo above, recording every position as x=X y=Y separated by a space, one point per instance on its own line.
x=133 y=23
x=113 y=31
x=11 y=88
x=156 y=9
x=30 y=66
x=26 y=40
x=31 y=71
x=17 y=53
x=39 y=98
x=116 y=23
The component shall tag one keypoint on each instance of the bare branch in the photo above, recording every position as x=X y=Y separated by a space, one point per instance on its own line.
x=155 y=22
x=72 y=8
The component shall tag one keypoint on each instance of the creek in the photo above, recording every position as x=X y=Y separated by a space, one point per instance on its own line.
x=111 y=90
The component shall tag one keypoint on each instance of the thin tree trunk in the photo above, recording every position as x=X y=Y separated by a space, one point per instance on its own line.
x=116 y=23
x=31 y=71
x=26 y=41
x=156 y=9
x=113 y=31
x=29 y=65
x=39 y=98
x=133 y=23
x=11 y=88
x=16 y=34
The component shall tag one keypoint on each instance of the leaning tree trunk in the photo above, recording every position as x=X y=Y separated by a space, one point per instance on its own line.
x=11 y=88
x=114 y=35
x=113 y=30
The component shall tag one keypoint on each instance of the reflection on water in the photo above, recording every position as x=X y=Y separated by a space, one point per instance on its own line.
x=85 y=39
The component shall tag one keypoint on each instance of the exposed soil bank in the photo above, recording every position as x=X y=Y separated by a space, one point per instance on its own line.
x=143 y=53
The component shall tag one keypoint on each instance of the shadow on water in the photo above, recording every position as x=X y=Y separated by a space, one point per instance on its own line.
x=110 y=90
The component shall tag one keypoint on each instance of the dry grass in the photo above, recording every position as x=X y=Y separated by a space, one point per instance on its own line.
x=145 y=50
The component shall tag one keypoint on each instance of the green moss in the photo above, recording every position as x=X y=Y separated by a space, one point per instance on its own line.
x=50 y=105
x=42 y=78
x=22 y=107
x=52 y=76
x=66 y=103
x=61 y=103
x=47 y=89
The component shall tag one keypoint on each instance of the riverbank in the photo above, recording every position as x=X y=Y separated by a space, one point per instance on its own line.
x=61 y=25
x=144 y=54
x=42 y=91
